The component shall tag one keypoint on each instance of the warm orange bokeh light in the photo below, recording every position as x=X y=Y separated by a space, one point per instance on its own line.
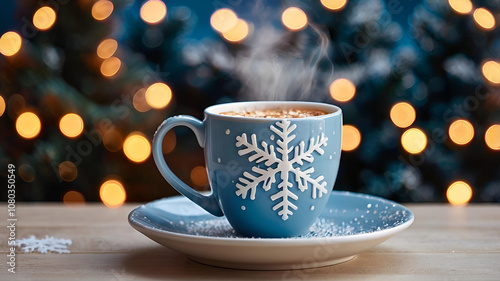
x=461 y=6
x=68 y=171
x=414 y=140
x=158 y=95
x=342 y=90
x=491 y=71
x=461 y=132
x=351 y=138
x=492 y=137
x=73 y=199
x=238 y=33
x=459 y=193
x=2 y=106
x=199 y=176
x=28 y=125
x=71 y=125
x=107 y=48
x=27 y=173
x=136 y=147
x=112 y=140
x=223 y=20
x=139 y=101
x=484 y=18
x=44 y=18
x=153 y=11
x=112 y=193
x=403 y=114
x=102 y=9
x=294 y=18
x=169 y=142
x=10 y=43
x=110 y=67
x=334 y=5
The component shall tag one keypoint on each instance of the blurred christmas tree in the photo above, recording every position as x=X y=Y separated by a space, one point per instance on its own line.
x=393 y=90
x=458 y=103
x=79 y=96
x=86 y=96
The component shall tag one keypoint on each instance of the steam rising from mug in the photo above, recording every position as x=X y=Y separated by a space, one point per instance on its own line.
x=283 y=65
x=273 y=63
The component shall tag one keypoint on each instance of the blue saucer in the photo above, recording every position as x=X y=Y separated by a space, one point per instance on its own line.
x=351 y=223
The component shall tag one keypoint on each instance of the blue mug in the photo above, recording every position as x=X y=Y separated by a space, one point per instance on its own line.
x=270 y=177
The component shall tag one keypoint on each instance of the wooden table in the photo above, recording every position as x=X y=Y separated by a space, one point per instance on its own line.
x=444 y=243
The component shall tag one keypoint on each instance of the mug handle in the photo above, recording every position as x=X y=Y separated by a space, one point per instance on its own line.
x=209 y=203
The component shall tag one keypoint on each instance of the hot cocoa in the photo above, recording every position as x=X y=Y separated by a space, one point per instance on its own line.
x=277 y=113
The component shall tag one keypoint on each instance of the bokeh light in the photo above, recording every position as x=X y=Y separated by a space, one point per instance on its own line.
x=112 y=193
x=403 y=114
x=107 y=48
x=10 y=43
x=492 y=137
x=223 y=20
x=44 y=18
x=110 y=67
x=137 y=147
x=15 y=105
x=27 y=173
x=294 y=18
x=461 y=132
x=112 y=140
x=461 y=6
x=169 y=142
x=139 y=101
x=351 y=137
x=459 y=193
x=71 y=125
x=68 y=171
x=158 y=95
x=73 y=198
x=414 y=140
x=334 y=5
x=342 y=90
x=199 y=176
x=484 y=18
x=2 y=105
x=28 y=125
x=102 y=9
x=238 y=32
x=491 y=71
x=153 y=11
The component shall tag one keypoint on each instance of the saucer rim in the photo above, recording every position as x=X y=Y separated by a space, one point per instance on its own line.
x=296 y=241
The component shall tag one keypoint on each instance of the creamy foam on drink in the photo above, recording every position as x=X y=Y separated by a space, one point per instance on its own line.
x=277 y=113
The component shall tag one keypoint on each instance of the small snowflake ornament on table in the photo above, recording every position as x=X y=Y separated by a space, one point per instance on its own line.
x=286 y=165
x=44 y=245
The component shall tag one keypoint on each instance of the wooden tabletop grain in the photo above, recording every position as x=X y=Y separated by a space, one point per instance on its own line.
x=444 y=243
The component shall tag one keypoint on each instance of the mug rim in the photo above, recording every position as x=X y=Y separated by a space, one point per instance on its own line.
x=215 y=110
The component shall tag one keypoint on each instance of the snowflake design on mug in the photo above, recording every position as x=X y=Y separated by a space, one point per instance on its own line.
x=284 y=165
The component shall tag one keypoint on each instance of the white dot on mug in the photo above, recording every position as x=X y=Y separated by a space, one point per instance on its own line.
x=218 y=160
x=228 y=132
x=272 y=137
x=243 y=208
x=333 y=132
x=331 y=156
x=312 y=208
